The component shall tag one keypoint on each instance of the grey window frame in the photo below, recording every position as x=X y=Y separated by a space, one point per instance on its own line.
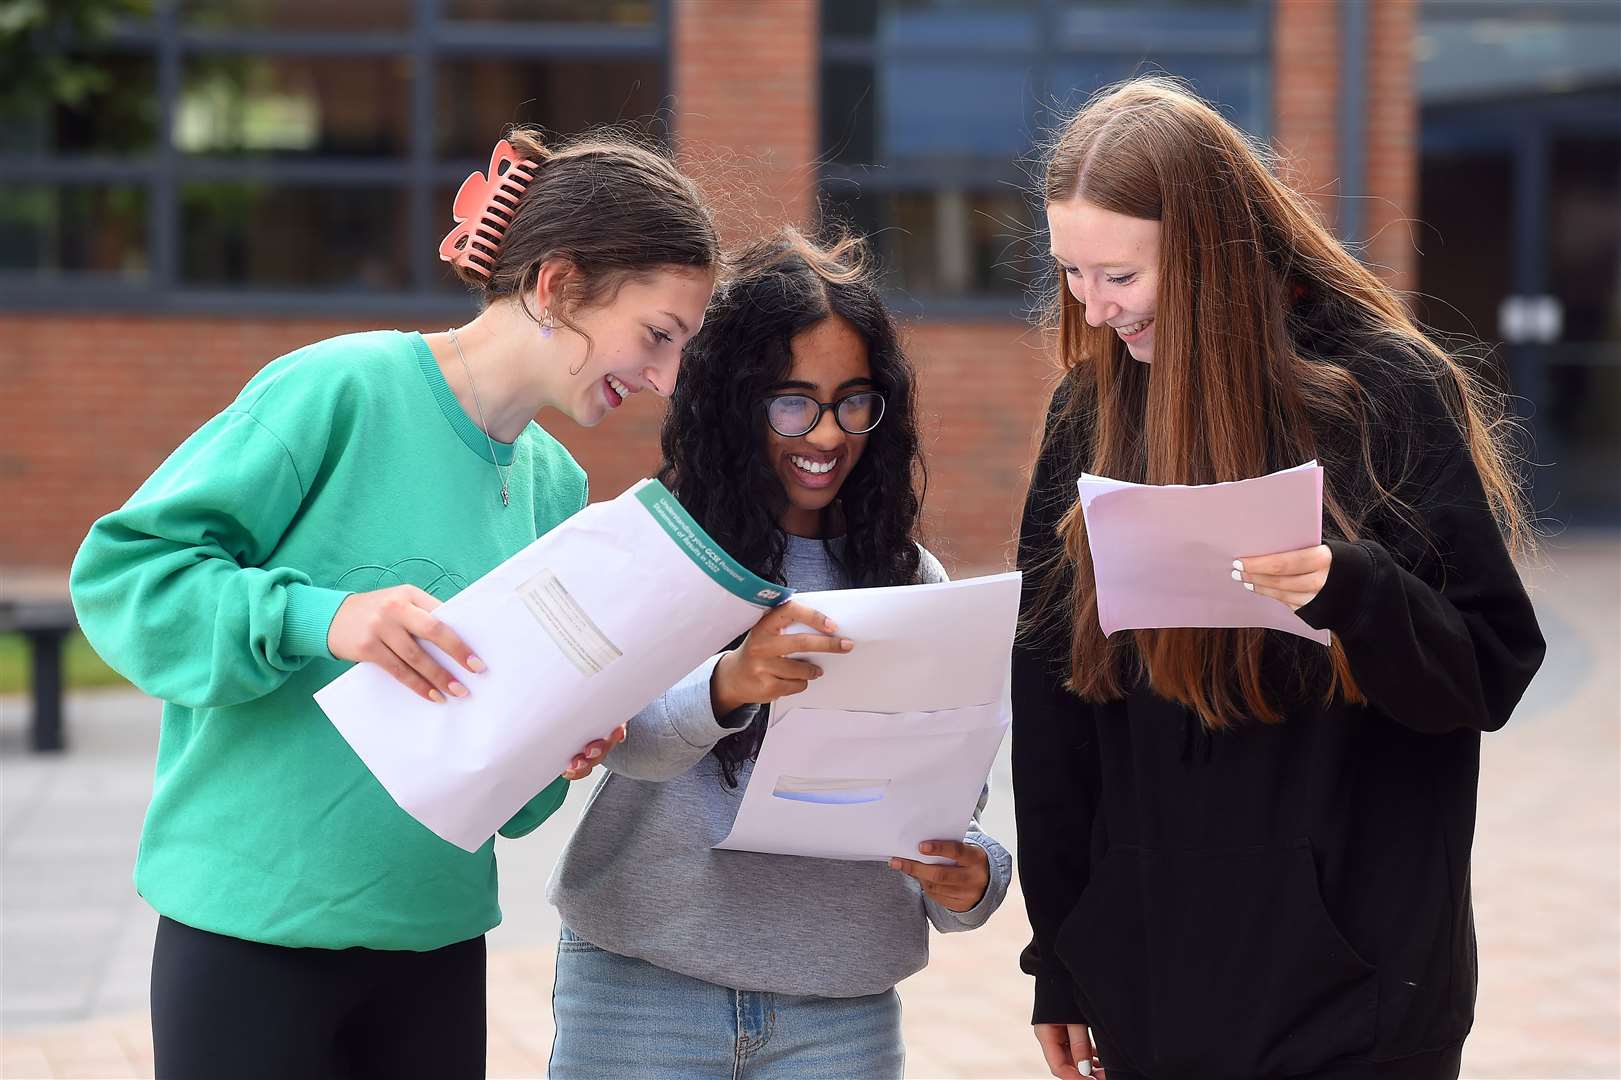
x=882 y=178
x=430 y=38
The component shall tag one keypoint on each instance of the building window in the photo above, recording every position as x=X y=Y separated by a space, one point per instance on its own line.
x=295 y=155
x=932 y=111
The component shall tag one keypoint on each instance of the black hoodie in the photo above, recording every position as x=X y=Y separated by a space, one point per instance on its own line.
x=1290 y=899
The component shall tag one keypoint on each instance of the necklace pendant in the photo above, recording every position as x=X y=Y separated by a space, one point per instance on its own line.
x=506 y=500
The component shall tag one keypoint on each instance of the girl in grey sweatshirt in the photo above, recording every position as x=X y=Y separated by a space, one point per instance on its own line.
x=792 y=439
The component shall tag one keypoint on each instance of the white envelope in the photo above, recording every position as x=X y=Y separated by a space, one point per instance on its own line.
x=580 y=630
x=892 y=745
x=867 y=785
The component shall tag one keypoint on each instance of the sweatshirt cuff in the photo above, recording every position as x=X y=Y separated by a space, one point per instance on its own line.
x=1339 y=605
x=536 y=810
x=308 y=618
x=691 y=711
x=1055 y=1001
x=1000 y=864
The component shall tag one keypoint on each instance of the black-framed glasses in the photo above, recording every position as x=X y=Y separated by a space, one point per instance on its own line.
x=793 y=415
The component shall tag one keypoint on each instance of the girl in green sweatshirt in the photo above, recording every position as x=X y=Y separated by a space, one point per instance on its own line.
x=310 y=927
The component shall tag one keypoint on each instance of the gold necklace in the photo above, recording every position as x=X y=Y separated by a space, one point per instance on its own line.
x=506 y=500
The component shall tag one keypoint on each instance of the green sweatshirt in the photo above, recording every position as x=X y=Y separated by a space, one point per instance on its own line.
x=343 y=467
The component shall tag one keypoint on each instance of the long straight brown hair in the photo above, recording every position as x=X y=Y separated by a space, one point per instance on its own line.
x=1253 y=292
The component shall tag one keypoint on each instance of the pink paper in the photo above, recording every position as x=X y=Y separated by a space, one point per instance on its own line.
x=1163 y=556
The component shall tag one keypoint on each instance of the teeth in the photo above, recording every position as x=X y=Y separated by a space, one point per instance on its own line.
x=812 y=466
x=1133 y=329
x=619 y=388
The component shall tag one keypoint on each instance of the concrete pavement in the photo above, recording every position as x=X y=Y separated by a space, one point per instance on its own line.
x=75 y=941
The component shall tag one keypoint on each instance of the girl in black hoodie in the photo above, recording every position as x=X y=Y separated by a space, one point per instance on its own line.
x=1245 y=855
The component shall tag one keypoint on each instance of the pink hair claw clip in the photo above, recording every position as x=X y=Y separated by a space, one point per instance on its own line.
x=483 y=209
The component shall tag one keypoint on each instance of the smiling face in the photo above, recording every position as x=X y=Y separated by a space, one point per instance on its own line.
x=1110 y=264
x=635 y=342
x=830 y=363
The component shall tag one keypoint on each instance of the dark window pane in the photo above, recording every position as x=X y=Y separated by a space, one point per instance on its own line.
x=293 y=237
x=611 y=12
x=92 y=229
x=956 y=243
x=849 y=18
x=444 y=278
x=959 y=23
x=1576 y=410
x=948 y=243
x=113 y=109
x=1585 y=212
x=1209 y=26
x=846 y=207
x=345 y=15
x=1470 y=52
x=940 y=111
x=847 y=113
x=1468 y=264
x=295 y=105
x=1180 y=9
x=478 y=98
x=1235 y=87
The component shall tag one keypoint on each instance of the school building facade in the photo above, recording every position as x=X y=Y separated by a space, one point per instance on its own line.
x=247 y=178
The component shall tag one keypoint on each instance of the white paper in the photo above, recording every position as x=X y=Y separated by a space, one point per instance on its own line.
x=1162 y=555
x=580 y=630
x=892 y=745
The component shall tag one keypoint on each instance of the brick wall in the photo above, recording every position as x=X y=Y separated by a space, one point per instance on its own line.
x=92 y=404
x=1392 y=155
x=1305 y=96
x=1305 y=81
x=747 y=78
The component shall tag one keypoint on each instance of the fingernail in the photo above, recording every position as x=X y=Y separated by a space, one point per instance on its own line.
x=436 y=697
x=927 y=849
x=475 y=665
x=458 y=689
x=1250 y=585
x=593 y=753
x=894 y=864
x=818 y=673
x=1238 y=564
x=832 y=628
x=846 y=644
x=1238 y=575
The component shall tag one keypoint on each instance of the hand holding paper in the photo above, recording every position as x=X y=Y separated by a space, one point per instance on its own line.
x=891 y=746
x=1294 y=577
x=764 y=668
x=958 y=885
x=384 y=626
x=1163 y=556
x=579 y=631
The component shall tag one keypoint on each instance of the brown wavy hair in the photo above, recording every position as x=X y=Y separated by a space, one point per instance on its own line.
x=609 y=203
x=1271 y=345
x=715 y=428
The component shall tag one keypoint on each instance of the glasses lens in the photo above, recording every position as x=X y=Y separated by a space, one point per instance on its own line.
x=860 y=413
x=792 y=414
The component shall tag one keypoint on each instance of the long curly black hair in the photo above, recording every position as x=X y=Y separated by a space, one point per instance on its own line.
x=714 y=432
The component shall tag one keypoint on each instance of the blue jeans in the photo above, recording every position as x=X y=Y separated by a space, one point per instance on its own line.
x=619 y=1017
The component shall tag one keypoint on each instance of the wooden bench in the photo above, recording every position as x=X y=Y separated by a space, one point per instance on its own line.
x=45 y=624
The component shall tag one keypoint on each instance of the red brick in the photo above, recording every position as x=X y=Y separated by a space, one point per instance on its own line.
x=94 y=403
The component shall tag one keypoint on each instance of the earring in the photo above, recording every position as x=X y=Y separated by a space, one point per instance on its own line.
x=546 y=323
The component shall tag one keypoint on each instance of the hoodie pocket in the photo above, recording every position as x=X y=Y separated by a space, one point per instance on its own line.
x=1220 y=964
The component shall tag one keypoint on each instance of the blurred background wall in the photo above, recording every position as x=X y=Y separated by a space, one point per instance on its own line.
x=190 y=188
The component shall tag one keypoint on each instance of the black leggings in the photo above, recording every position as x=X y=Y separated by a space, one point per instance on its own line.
x=222 y=1006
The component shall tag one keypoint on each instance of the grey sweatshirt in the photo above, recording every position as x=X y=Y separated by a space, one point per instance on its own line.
x=639 y=877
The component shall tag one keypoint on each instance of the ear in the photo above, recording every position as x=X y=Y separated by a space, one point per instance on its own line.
x=551 y=286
